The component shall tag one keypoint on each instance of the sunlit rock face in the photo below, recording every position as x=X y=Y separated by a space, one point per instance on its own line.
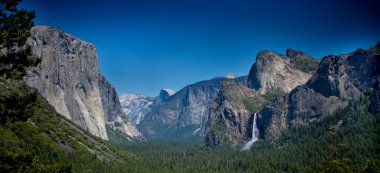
x=165 y=94
x=136 y=106
x=312 y=90
x=183 y=114
x=231 y=115
x=272 y=71
x=113 y=110
x=68 y=77
x=337 y=81
x=229 y=120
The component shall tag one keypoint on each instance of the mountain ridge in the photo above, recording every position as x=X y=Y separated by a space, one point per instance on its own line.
x=271 y=75
x=339 y=79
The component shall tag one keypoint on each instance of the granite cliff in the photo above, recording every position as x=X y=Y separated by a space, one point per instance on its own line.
x=230 y=116
x=337 y=81
x=272 y=71
x=271 y=76
x=136 y=106
x=69 y=78
x=184 y=114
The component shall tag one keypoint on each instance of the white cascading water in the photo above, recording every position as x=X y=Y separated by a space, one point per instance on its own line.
x=248 y=145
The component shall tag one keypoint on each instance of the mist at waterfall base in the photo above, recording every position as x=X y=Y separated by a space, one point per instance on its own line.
x=254 y=138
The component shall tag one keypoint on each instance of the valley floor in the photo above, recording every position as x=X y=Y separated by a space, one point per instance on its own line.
x=346 y=142
x=34 y=138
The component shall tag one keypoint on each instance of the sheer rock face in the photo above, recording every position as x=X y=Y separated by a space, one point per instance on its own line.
x=229 y=120
x=272 y=71
x=186 y=107
x=338 y=80
x=185 y=113
x=116 y=118
x=137 y=106
x=110 y=100
x=165 y=94
x=68 y=77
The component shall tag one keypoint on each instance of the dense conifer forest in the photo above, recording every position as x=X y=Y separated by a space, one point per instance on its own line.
x=348 y=141
x=35 y=138
x=345 y=142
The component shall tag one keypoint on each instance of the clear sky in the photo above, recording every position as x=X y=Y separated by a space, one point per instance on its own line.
x=146 y=45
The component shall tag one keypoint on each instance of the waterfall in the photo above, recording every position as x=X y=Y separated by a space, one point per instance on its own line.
x=254 y=138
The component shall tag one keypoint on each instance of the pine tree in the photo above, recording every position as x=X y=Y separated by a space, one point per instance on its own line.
x=337 y=162
x=15 y=27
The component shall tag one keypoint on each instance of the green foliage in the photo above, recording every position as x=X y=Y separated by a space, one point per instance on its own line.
x=354 y=147
x=253 y=105
x=347 y=141
x=34 y=137
x=304 y=64
x=15 y=28
x=16 y=107
x=375 y=49
x=43 y=141
x=337 y=161
x=270 y=95
x=256 y=104
x=169 y=132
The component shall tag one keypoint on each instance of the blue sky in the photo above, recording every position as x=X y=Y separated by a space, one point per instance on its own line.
x=145 y=45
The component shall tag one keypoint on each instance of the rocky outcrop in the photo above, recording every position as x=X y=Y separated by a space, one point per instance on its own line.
x=68 y=77
x=110 y=100
x=116 y=118
x=136 y=106
x=271 y=76
x=120 y=124
x=184 y=114
x=302 y=61
x=230 y=119
x=272 y=71
x=189 y=109
x=338 y=80
x=164 y=95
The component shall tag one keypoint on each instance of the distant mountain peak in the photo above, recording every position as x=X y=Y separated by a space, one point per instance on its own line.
x=170 y=92
x=136 y=106
x=165 y=94
x=230 y=76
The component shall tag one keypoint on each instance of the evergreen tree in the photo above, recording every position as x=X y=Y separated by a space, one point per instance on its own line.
x=15 y=27
x=336 y=161
x=15 y=57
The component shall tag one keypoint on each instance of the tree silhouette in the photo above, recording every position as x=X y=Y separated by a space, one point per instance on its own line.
x=15 y=27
